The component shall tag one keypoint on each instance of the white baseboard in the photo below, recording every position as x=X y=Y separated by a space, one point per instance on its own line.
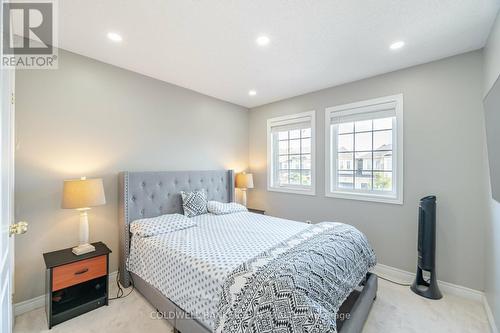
x=39 y=301
x=489 y=314
x=29 y=305
x=445 y=287
x=112 y=277
x=393 y=273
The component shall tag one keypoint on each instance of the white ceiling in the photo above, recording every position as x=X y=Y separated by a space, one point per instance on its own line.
x=209 y=45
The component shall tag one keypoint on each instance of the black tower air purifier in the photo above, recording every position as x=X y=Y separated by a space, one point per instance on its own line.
x=427 y=250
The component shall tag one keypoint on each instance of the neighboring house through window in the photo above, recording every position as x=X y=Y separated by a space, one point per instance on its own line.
x=364 y=150
x=291 y=153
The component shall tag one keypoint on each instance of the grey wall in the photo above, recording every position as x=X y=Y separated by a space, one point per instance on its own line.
x=90 y=118
x=443 y=155
x=492 y=243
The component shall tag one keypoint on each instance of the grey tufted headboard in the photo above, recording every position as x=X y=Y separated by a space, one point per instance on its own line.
x=149 y=194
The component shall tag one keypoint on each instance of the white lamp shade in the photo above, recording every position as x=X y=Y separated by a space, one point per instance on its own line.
x=83 y=193
x=244 y=180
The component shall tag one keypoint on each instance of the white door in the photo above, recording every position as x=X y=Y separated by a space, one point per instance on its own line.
x=6 y=200
x=6 y=194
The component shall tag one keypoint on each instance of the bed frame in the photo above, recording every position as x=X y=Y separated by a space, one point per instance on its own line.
x=149 y=194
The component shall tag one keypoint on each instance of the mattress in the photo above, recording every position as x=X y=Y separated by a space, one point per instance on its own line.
x=190 y=266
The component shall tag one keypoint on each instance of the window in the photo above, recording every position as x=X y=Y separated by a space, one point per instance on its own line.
x=364 y=150
x=291 y=153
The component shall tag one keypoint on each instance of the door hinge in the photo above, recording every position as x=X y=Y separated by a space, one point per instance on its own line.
x=12 y=98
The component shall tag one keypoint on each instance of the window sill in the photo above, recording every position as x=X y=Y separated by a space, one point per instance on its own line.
x=292 y=190
x=365 y=197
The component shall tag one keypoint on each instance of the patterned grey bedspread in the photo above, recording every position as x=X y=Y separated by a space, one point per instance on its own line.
x=297 y=286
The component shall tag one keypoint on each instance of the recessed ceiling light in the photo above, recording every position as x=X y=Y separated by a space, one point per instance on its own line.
x=397 y=45
x=262 y=40
x=115 y=37
x=252 y=93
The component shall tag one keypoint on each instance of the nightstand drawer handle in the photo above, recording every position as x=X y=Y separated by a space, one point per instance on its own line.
x=85 y=270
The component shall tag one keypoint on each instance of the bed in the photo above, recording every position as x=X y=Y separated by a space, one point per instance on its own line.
x=193 y=277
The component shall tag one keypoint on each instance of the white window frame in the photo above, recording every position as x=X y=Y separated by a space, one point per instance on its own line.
x=284 y=120
x=331 y=165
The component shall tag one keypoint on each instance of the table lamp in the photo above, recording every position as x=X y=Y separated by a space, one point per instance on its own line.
x=82 y=194
x=244 y=181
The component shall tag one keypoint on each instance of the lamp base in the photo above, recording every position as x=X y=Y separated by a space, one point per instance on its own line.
x=83 y=248
x=244 y=197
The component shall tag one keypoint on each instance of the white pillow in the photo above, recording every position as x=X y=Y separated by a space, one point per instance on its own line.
x=220 y=208
x=160 y=225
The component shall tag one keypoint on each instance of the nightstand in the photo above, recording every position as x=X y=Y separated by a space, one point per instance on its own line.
x=75 y=284
x=257 y=211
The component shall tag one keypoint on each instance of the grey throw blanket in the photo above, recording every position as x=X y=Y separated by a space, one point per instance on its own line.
x=299 y=285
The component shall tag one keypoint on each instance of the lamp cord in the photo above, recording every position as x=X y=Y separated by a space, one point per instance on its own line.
x=395 y=282
x=120 y=292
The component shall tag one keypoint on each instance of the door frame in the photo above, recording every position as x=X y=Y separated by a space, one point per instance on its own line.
x=7 y=148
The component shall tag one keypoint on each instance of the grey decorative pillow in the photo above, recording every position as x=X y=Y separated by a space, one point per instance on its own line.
x=194 y=203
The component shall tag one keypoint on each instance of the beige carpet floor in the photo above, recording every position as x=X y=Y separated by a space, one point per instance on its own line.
x=396 y=310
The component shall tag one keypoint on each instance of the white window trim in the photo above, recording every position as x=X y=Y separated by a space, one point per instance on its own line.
x=397 y=153
x=295 y=189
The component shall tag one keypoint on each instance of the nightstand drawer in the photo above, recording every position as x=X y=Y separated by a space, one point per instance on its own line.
x=78 y=272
